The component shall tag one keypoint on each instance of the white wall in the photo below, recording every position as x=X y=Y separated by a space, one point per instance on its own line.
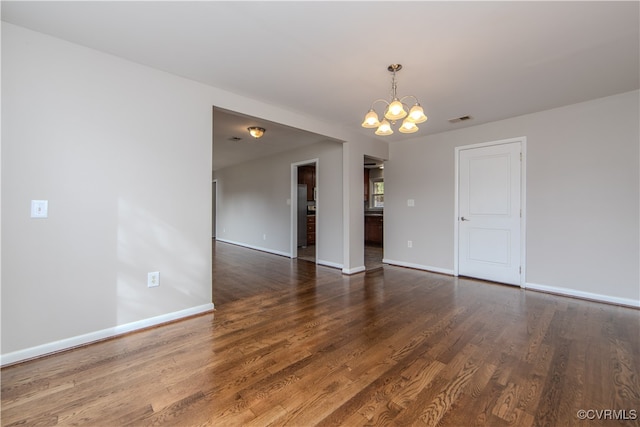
x=247 y=211
x=123 y=154
x=112 y=146
x=353 y=193
x=252 y=201
x=582 y=216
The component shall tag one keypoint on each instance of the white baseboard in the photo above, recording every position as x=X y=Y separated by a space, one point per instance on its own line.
x=68 y=343
x=257 y=248
x=275 y=252
x=329 y=264
x=419 y=267
x=583 y=295
x=354 y=270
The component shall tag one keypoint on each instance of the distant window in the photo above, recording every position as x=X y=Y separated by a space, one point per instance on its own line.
x=378 y=194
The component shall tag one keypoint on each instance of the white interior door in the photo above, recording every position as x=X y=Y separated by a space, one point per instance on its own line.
x=489 y=212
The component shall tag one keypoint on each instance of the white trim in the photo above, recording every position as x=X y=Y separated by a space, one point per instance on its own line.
x=523 y=210
x=419 y=266
x=329 y=264
x=68 y=343
x=354 y=270
x=523 y=201
x=346 y=210
x=214 y=231
x=257 y=248
x=583 y=295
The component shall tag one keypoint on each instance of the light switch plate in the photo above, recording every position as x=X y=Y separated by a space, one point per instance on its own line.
x=153 y=279
x=39 y=208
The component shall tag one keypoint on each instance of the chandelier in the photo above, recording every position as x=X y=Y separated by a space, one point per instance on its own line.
x=395 y=110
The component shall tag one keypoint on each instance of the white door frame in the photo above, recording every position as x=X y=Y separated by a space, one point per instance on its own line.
x=523 y=186
x=214 y=210
x=294 y=205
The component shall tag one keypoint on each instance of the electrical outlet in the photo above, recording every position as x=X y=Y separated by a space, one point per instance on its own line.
x=153 y=279
x=409 y=244
x=264 y=237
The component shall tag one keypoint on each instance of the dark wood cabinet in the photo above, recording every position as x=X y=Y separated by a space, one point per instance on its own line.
x=373 y=229
x=366 y=185
x=311 y=229
x=307 y=176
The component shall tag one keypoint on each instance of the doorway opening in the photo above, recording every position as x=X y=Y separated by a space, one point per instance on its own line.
x=373 y=213
x=305 y=210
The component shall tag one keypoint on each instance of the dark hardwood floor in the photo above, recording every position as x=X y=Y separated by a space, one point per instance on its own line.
x=292 y=343
x=372 y=255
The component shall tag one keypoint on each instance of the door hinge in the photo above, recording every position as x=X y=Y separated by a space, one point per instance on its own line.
x=520 y=156
x=520 y=270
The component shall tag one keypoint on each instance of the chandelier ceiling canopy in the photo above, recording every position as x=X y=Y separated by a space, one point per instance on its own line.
x=395 y=109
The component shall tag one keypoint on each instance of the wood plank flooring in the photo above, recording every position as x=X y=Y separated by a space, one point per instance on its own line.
x=292 y=343
x=372 y=255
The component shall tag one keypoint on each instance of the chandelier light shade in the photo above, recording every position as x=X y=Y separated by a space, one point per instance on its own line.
x=371 y=120
x=384 y=129
x=408 y=127
x=256 y=132
x=395 y=109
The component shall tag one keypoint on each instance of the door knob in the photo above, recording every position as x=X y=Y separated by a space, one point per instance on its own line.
x=464 y=219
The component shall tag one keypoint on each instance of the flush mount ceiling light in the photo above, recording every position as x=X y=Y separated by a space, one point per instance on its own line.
x=256 y=132
x=395 y=110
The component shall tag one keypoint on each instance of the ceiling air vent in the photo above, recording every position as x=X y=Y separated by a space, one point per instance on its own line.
x=459 y=119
